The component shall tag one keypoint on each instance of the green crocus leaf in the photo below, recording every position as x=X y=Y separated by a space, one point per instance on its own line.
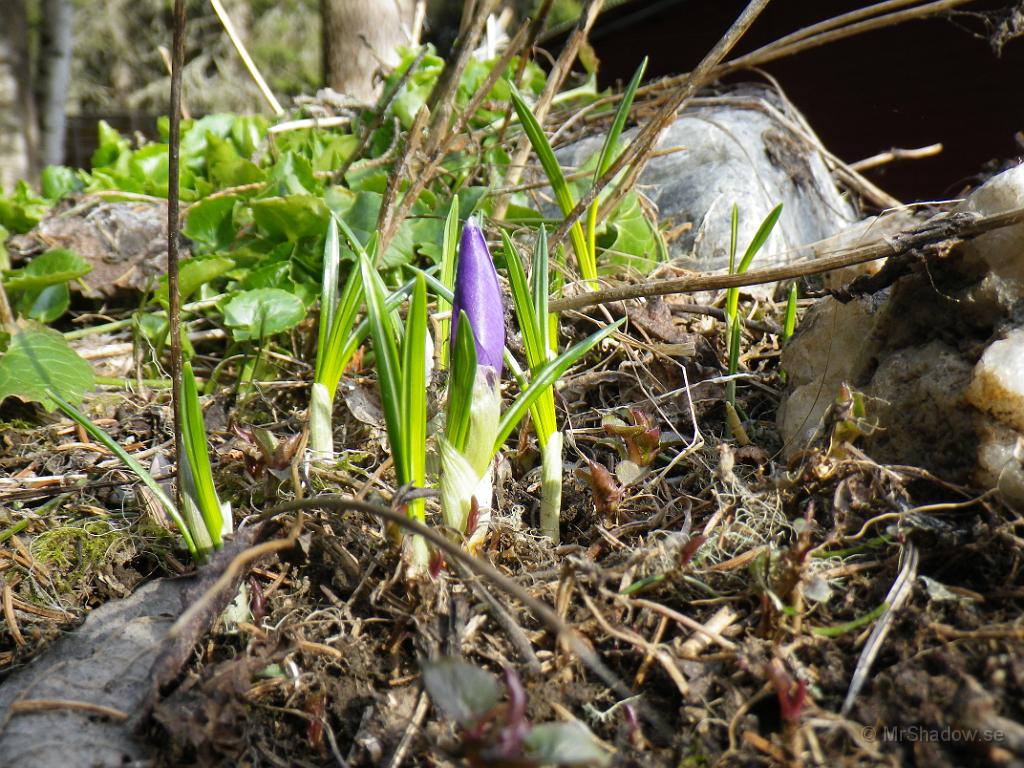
x=51 y=268
x=263 y=312
x=38 y=361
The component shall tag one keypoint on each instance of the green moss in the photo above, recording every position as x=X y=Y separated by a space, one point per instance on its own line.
x=75 y=550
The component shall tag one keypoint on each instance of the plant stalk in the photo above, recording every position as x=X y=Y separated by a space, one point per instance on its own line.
x=551 y=487
x=321 y=432
x=173 y=199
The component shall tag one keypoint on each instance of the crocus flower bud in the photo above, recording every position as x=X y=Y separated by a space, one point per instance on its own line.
x=477 y=292
x=466 y=477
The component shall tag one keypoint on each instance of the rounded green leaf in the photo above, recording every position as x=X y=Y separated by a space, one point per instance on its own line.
x=263 y=312
x=38 y=361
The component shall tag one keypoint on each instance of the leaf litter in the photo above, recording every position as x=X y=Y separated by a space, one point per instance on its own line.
x=731 y=596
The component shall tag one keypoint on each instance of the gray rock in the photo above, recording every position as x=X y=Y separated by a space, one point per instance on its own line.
x=940 y=354
x=745 y=147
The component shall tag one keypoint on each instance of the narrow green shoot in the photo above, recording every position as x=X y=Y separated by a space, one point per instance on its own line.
x=401 y=379
x=334 y=348
x=609 y=153
x=546 y=376
x=449 y=254
x=732 y=296
x=101 y=437
x=560 y=187
x=414 y=401
x=789 y=326
x=205 y=520
x=531 y=307
x=200 y=493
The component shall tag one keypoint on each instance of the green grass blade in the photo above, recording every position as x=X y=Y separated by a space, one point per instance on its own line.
x=337 y=352
x=546 y=377
x=522 y=300
x=129 y=461
x=539 y=282
x=789 y=327
x=732 y=296
x=196 y=451
x=389 y=372
x=328 y=290
x=460 y=385
x=556 y=178
x=449 y=255
x=414 y=388
x=534 y=336
x=760 y=238
x=607 y=156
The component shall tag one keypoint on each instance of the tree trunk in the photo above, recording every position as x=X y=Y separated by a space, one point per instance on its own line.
x=17 y=111
x=54 y=77
x=359 y=39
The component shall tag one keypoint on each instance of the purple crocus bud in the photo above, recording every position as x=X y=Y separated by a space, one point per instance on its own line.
x=477 y=292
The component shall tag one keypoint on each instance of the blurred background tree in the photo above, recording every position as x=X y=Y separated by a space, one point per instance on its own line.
x=103 y=58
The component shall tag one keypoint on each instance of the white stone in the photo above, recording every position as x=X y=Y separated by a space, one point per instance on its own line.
x=997 y=386
x=1001 y=249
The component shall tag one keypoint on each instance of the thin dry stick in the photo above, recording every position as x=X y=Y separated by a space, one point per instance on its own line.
x=554 y=82
x=413 y=138
x=776 y=51
x=441 y=101
x=165 y=56
x=10 y=617
x=243 y=54
x=636 y=155
x=536 y=27
x=27 y=706
x=386 y=100
x=956 y=227
x=233 y=570
x=898 y=595
x=895 y=154
x=691 y=624
x=173 y=224
x=427 y=174
x=837 y=28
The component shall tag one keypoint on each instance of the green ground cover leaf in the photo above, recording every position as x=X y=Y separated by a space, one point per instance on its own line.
x=211 y=223
x=263 y=312
x=51 y=268
x=292 y=217
x=39 y=360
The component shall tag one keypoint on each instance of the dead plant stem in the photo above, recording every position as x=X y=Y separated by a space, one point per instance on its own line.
x=635 y=157
x=173 y=224
x=960 y=227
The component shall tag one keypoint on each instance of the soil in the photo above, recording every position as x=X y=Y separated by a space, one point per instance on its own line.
x=789 y=568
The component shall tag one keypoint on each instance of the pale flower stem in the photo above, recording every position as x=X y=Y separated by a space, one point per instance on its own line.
x=321 y=431
x=551 y=487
